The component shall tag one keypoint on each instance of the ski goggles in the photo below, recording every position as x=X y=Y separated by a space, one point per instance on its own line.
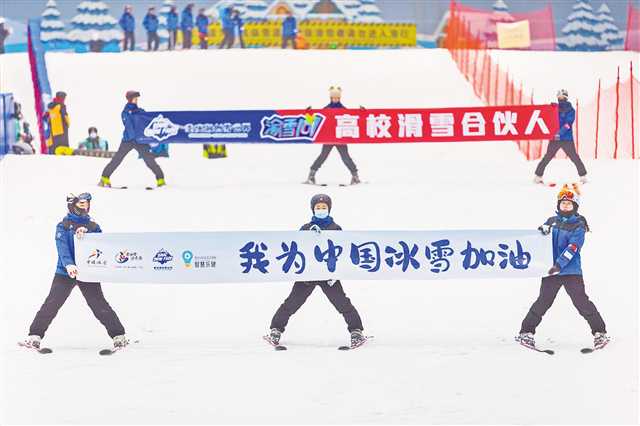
x=85 y=196
x=567 y=195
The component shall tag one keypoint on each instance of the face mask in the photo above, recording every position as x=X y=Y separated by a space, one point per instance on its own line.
x=93 y=135
x=321 y=214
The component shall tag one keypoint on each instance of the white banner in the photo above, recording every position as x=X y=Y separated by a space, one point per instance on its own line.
x=227 y=257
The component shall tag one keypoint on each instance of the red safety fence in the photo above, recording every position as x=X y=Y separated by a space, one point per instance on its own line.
x=632 y=39
x=476 y=28
x=606 y=127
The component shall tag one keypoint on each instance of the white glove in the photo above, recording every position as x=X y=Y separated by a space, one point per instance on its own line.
x=331 y=282
x=72 y=271
x=80 y=232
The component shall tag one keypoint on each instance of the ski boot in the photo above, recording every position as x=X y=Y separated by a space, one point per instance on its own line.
x=355 y=179
x=537 y=179
x=526 y=339
x=160 y=182
x=357 y=338
x=32 y=341
x=120 y=342
x=311 y=180
x=600 y=340
x=105 y=182
x=274 y=336
x=583 y=179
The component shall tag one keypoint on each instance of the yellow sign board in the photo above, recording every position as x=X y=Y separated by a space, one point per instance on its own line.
x=321 y=34
x=514 y=35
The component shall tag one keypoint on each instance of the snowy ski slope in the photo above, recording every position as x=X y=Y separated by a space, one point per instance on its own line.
x=443 y=351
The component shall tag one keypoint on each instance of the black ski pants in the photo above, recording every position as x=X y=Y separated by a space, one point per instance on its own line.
x=343 y=150
x=186 y=39
x=129 y=40
x=228 y=39
x=287 y=39
x=61 y=288
x=302 y=290
x=153 y=40
x=569 y=148
x=574 y=286
x=142 y=149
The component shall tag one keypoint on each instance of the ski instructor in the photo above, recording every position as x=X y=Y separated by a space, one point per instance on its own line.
x=129 y=142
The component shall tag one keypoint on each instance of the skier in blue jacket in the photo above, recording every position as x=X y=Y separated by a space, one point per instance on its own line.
x=151 y=23
x=129 y=142
x=202 y=23
x=76 y=223
x=568 y=230
x=335 y=96
x=186 y=24
x=228 y=28
x=321 y=220
x=128 y=24
x=172 y=27
x=563 y=139
x=289 y=31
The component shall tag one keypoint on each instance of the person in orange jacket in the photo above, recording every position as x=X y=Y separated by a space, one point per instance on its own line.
x=59 y=122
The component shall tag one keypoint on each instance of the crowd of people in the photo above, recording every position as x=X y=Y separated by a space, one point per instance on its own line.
x=185 y=23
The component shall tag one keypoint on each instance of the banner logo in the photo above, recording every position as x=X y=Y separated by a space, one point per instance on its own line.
x=289 y=127
x=187 y=257
x=95 y=259
x=161 y=128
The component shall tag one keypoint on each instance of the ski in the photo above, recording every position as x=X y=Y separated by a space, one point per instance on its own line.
x=534 y=348
x=350 y=348
x=592 y=349
x=108 y=351
x=43 y=351
x=275 y=347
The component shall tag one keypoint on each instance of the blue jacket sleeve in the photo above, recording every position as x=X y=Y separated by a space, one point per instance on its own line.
x=64 y=251
x=576 y=241
x=145 y=22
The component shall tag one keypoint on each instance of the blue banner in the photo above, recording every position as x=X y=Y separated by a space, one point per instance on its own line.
x=224 y=127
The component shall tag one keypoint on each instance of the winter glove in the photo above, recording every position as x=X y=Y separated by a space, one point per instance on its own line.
x=554 y=270
x=315 y=228
x=544 y=229
x=331 y=282
x=72 y=271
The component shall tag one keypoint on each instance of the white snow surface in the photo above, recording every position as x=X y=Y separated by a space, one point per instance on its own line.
x=443 y=351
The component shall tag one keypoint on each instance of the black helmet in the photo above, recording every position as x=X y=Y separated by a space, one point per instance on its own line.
x=72 y=200
x=320 y=198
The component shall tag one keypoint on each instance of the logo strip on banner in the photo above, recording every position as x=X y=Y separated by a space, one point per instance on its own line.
x=347 y=126
x=227 y=257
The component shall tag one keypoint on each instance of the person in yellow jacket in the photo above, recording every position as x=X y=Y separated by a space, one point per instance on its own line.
x=58 y=123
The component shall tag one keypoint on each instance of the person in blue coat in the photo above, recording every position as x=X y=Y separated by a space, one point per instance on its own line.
x=335 y=96
x=129 y=143
x=227 y=28
x=172 y=27
x=289 y=31
x=238 y=27
x=186 y=25
x=151 y=23
x=202 y=23
x=128 y=25
x=568 y=230
x=76 y=223
x=563 y=139
x=321 y=220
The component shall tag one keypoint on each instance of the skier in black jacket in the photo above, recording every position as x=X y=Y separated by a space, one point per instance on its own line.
x=321 y=207
x=335 y=94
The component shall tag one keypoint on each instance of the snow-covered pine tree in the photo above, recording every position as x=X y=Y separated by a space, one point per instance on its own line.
x=609 y=31
x=52 y=31
x=94 y=24
x=582 y=31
